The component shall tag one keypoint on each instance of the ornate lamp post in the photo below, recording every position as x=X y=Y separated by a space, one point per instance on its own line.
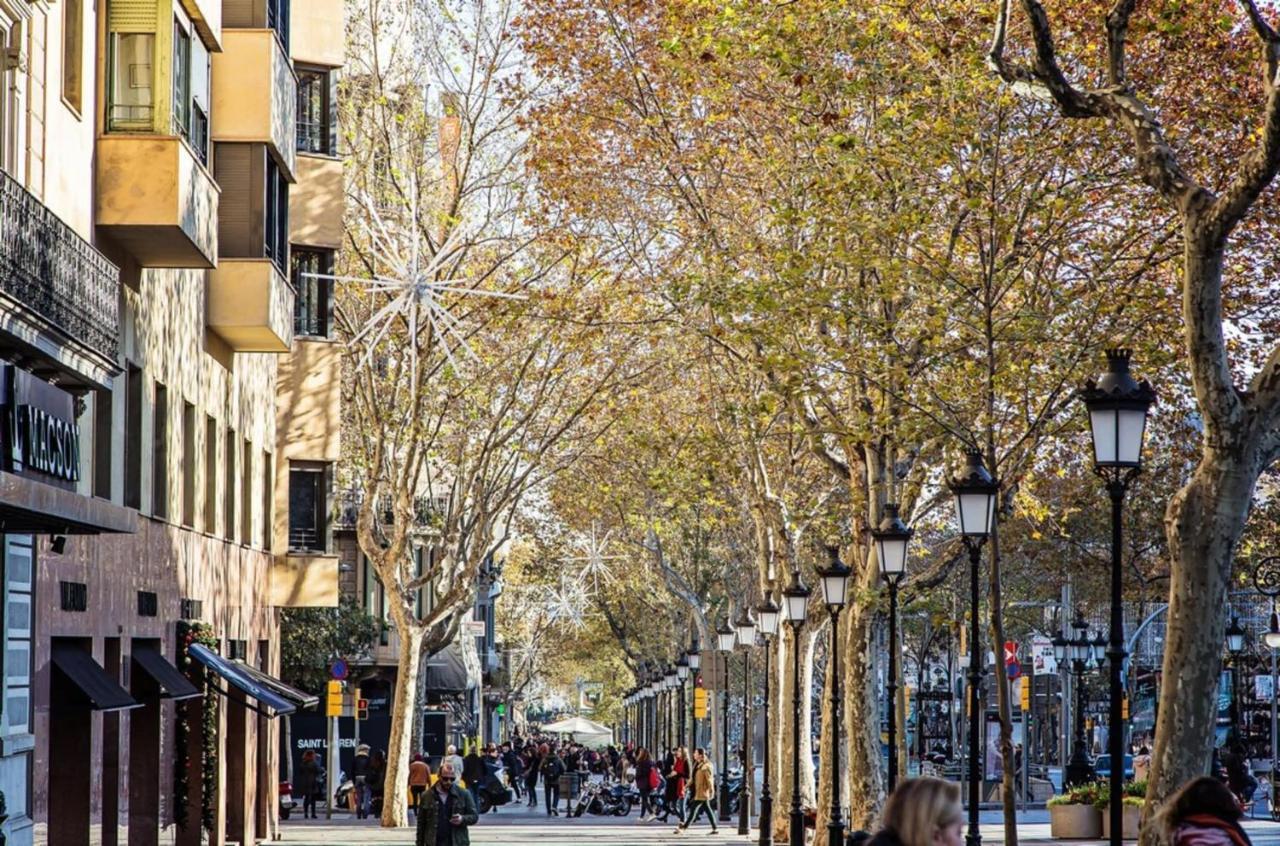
x=1266 y=578
x=695 y=663
x=682 y=675
x=975 y=494
x=1118 y=408
x=796 y=605
x=891 y=539
x=746 y=626
x=1079 y=655
x=672 y=681
x=1235 y=646
x=725 y=637
x=835 y=588
x=655 y=726
x=768 y=613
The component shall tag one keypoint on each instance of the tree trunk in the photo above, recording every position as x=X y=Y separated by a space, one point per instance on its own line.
x=1000 y=678
x=862 y=704
x=395 y=812
x=787 y=752
x=1203 y=523
x=827 y=742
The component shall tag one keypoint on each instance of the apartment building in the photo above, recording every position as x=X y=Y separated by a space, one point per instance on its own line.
x=169 y=178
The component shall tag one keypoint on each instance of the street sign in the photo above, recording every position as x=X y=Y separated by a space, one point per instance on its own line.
x=338 y=670
x=333 y=699
x=1011 y=665
x=475 y=628
x=700 y=703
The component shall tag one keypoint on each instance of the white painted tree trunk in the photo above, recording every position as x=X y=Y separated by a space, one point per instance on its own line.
x=787 y=752
x=395 y=812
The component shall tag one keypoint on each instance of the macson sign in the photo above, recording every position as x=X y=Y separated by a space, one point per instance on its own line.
x=41 y=439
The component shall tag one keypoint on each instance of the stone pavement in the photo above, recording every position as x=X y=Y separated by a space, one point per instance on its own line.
x=517 y=827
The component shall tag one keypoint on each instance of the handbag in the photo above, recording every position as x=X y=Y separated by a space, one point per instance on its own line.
x=653 y=779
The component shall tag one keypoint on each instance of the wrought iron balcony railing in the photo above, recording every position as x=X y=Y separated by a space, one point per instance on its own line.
x=426 y=510
x=49 y=269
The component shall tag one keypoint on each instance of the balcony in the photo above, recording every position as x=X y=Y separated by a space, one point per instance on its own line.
x=156 y=200
x=304 y=581
x=317 y=34
x=207 y=16
x=317 y=203
x=255 y=95
x=59 y=297
x=428 y=511
x=250 y=306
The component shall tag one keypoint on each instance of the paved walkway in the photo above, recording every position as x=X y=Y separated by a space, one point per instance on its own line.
x=517 y=827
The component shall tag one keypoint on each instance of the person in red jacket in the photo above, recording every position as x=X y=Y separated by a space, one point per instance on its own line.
x=677 y=774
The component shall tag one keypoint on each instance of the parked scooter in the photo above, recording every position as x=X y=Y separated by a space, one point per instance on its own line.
x=286 y=800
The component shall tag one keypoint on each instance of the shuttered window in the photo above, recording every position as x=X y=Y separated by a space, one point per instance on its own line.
x=131 y=65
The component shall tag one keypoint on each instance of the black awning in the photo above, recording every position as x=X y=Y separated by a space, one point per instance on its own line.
x=233 y=672
x=100 y=692
x=173 y=684
x=446 y=671
x=300 y=699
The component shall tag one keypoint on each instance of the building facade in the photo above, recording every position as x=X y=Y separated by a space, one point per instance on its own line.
x=171 y=195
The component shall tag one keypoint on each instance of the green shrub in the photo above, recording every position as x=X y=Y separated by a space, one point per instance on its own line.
x=1085 y=794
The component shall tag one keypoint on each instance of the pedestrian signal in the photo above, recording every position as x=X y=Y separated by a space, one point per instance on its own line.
x=362 y=709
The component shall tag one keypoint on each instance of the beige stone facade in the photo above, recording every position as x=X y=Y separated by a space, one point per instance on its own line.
x=157 y=312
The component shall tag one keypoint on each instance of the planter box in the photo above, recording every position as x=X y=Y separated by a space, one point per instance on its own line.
x=1132 y=815
x=1075 y=822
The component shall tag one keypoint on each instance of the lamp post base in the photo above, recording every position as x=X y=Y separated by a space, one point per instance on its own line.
x=766 y=818
x=724 y=800
x=835 y=833
x=973 y=838
x=795 y=833
x=1078 y=772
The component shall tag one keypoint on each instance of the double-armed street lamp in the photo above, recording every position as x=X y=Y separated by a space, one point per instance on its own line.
x=746 y=626
x=1235 y=636
x=795 y=603
x=726 y=637
x=768 y=613
x=835 y=589
x=1118 y=407
x=891 y=539
x=1080 y=654
x=975 y=495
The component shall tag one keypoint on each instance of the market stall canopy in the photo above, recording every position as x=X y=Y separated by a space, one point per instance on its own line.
x=576 y=725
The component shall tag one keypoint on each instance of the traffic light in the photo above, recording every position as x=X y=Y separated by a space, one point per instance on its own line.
x=362 y=709
x=333 y=699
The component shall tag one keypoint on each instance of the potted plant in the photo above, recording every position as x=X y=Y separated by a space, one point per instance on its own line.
x=1134 y=795
x=1074 y=815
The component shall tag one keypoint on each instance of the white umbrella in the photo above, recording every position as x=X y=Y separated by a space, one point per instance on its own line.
x=576 y=725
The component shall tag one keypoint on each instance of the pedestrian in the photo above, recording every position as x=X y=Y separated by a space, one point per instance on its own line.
x=377 y=781
x=677 y=775
x=922 y=812
x=550 y=770
x=473 y=772
x=1141 y=764
x=360 y=781
x=531 y=763
x=452 y=758
x=445 y=813
x=703 y=790
x=1239 y=773
x=514 y=771
x=646 y=783
x=419 y=779
x=307 y=782
x=1203 y=812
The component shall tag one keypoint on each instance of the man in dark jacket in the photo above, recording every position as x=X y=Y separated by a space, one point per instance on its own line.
x=445 y=813
x=473 y=773
x=360 y=779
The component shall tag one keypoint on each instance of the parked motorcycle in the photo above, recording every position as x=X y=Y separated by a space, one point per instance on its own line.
x=286 y=800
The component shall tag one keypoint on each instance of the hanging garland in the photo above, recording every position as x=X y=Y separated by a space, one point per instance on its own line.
x=203 y=634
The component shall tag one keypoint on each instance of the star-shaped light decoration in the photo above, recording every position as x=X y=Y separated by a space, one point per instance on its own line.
x=566 y=603
x=416 y=287
x=594 y=560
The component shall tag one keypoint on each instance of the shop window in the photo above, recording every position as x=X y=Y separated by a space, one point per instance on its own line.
x=317 y=111
x=313 y=305
x=309 y=497
x=19 y=569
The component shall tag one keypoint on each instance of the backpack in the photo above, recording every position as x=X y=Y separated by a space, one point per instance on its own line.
x=653 y=778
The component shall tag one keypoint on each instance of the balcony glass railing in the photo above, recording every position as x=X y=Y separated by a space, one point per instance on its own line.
x=54 y=273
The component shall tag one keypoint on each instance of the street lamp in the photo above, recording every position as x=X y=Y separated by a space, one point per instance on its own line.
x=1235 y=646
x=835 y=588
x=1079 y=655
x=746 y=626
x=1266 y=578
x=768 y=613
x=975 y=495
x=682 y=675
x=1118 y=407
x=796 y=605
x=725 y=637
x=695 y=663
x=891 y=539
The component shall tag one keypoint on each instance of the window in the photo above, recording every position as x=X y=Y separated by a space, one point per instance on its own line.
x=160 y=454
x=276 y=236
x=191 y=88
x=278 y=19
x=181 y=80
x=188 y=465
x=309 y=493
x=210 y=475
x=19 y=574
x=317 y=111
x=130 y=95
x=73 y=52
x=133 y=438
x=313 y=305
x=266 y=492
x=229 y=486
x=246 y=494
x=103 y=437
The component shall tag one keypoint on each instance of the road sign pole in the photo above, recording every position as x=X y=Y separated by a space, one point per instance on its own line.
x=331 y=785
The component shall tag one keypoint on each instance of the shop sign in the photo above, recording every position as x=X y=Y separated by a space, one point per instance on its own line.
x=41 y=437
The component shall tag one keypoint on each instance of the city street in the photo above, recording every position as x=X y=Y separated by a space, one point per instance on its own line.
x=517 y=827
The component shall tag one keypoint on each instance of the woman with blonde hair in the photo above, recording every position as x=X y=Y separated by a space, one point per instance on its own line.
x=922 y=812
